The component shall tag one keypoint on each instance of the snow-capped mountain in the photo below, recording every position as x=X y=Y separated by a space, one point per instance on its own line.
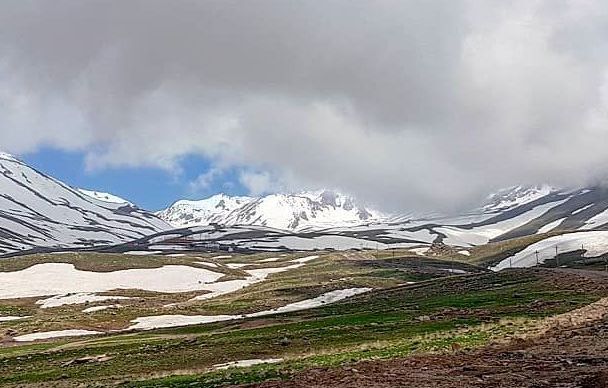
x=305 y=210
x=204 y=212
x=576 y=218
x=39 y=211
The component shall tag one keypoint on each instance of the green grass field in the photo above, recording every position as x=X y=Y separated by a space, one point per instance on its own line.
x=394 y=320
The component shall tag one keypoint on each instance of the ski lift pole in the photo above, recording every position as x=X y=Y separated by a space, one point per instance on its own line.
x=556 y=258
x=584 y=258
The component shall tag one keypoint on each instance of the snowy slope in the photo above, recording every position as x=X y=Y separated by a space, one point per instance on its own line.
x=512 y=197
x=510 y=213
x=104 y=197
x=323 y=220
x=592 y=244
x=204 y=212
x=301 y=211
x=39 y=211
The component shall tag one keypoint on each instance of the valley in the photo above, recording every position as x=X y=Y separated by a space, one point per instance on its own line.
x=327 y=310
x=303 y=194
x=407 y=306
x=307 y=289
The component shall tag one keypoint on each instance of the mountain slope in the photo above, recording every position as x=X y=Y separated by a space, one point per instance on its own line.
x=512 y=197
x=39 y=211
x=104 y=197
x=510 y=214
x=204 y=212
x=302 y=211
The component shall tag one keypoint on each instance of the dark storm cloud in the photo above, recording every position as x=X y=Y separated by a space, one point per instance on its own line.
x=409 y=104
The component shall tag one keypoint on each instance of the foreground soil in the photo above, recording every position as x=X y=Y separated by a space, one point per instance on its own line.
x=570 y=350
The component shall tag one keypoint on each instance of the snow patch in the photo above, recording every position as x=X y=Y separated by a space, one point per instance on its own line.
x=62 y=279
x=420 y=251
x=269 y=260
x=454 y=271
x=594 y=243
x=246 y=363
x=101 y=308
x=306 y=259
x=583 y=208
x=213 y=265
x=164 y=321
x=550 y=226
x=54 y=334
x=327 y=298
x=142 y=253
x=255 y=276
x=78 y=298
x=237 y=265
x=13 y=318
x=596 y=221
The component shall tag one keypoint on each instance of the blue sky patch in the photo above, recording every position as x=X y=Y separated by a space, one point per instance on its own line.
x=150 y=188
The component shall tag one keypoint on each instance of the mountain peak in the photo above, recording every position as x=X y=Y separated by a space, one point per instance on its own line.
x=7 y=156
x=303 y=210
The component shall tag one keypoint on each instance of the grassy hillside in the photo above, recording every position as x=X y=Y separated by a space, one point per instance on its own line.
x=436 y=314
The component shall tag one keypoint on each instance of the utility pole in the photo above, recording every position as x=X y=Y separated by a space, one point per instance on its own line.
x=584 y=258
x=536 y=258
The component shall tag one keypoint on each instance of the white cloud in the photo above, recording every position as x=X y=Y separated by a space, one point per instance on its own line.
x=409 y=105
x=204 y=181
x=259 y=183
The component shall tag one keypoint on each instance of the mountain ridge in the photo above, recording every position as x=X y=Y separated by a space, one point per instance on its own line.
x=298 y=211
x=104 y=197
x=39 y=211
x=520 y=212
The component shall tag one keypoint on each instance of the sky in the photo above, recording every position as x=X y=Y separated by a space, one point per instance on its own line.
x=149 y=187
x=407 y=105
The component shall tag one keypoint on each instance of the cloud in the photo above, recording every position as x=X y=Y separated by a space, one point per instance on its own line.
x=408 y=105
x=259 y=183
x=204 y=181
